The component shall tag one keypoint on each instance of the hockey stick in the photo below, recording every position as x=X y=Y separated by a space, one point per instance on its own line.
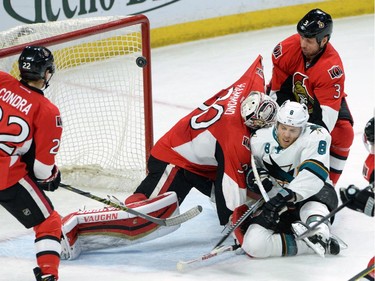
x=219 y=248
x=363 y=273
x=252 y=209
x=176 y=220
x=310 y=230
x=257 y=178
x=183 y=265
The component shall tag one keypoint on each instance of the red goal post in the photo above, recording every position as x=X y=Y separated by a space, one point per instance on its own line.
x=102 y=87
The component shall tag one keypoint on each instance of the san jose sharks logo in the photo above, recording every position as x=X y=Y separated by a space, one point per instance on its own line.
x=316 y=128
x=281 y=176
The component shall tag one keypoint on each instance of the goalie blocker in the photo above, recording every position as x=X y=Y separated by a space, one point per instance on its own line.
x=109 y=227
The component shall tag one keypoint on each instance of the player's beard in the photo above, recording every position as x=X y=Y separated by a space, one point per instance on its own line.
x=309 y=55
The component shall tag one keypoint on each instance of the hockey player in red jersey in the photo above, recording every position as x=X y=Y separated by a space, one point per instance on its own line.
x=31 y=129
x=368 y=140
x=307 y=69
x=363 y=200
x=209 y=148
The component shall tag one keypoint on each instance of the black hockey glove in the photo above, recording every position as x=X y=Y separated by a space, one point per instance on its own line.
x=52 y=183
x=359 y=200
x=251 y=182
x=269 y=217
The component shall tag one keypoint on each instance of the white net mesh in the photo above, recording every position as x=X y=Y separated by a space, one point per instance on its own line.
x=98 y=88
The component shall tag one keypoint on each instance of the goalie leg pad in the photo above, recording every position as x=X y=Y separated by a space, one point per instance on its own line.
x=109 y=227
x=70 y=245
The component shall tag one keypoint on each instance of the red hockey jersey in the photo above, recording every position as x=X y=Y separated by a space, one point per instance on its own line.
x=322 y=81
x=191 y=143
x=368 y=168
x=30 y=132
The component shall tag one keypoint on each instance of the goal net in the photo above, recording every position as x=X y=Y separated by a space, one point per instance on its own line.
x=102 y=87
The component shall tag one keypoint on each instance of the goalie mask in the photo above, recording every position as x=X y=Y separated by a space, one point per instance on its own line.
x=258 y=110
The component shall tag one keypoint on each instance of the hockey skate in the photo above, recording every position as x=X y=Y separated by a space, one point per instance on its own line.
x=321 y=242
x=40 y=277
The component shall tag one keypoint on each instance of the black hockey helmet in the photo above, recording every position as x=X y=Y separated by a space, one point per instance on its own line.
x=369 y=131
x=315 y=24
x=34 y=61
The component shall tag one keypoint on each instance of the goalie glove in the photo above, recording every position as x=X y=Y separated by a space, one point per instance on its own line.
x=359 y=200
x=52 y=183
x=251 y=182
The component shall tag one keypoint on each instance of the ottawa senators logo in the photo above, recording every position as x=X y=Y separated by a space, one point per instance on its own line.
x=58 y=121
x=277 y=51
x=246 y=142
x=320 y=24
x=300 y=91
x=259 y=72
x=335 y=72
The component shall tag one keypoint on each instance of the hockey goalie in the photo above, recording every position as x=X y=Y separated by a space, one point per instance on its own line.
x=195 y=153
x=109 y=227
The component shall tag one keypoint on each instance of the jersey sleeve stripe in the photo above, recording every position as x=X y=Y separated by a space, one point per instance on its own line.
x=315 y=167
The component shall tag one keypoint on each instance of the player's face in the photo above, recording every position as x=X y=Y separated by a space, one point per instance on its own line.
x=310 y=47
x=287 y=135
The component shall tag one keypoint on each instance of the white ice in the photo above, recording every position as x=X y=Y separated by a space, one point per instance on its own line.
x=184 y=76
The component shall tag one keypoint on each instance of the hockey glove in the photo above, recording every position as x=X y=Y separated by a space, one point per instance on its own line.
x=359 y=200
x=52 y=183
x=269 y=217
x=251 y=182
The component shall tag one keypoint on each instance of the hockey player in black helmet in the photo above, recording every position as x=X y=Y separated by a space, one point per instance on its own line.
x=34 y=62
x=27 y=164
x=315 y=24
x=308 y=69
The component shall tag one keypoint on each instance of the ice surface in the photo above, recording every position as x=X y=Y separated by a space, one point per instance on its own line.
x=183 y=77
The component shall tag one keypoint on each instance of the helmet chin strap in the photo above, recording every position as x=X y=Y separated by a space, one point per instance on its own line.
x=46 y=82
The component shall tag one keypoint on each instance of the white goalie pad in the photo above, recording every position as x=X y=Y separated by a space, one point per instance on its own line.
x=109 y=227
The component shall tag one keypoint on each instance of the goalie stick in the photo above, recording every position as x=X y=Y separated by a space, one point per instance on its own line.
x=183 y=265
x=363 y=273
x=176 y=220
x=219 y=248
x=252 y=209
